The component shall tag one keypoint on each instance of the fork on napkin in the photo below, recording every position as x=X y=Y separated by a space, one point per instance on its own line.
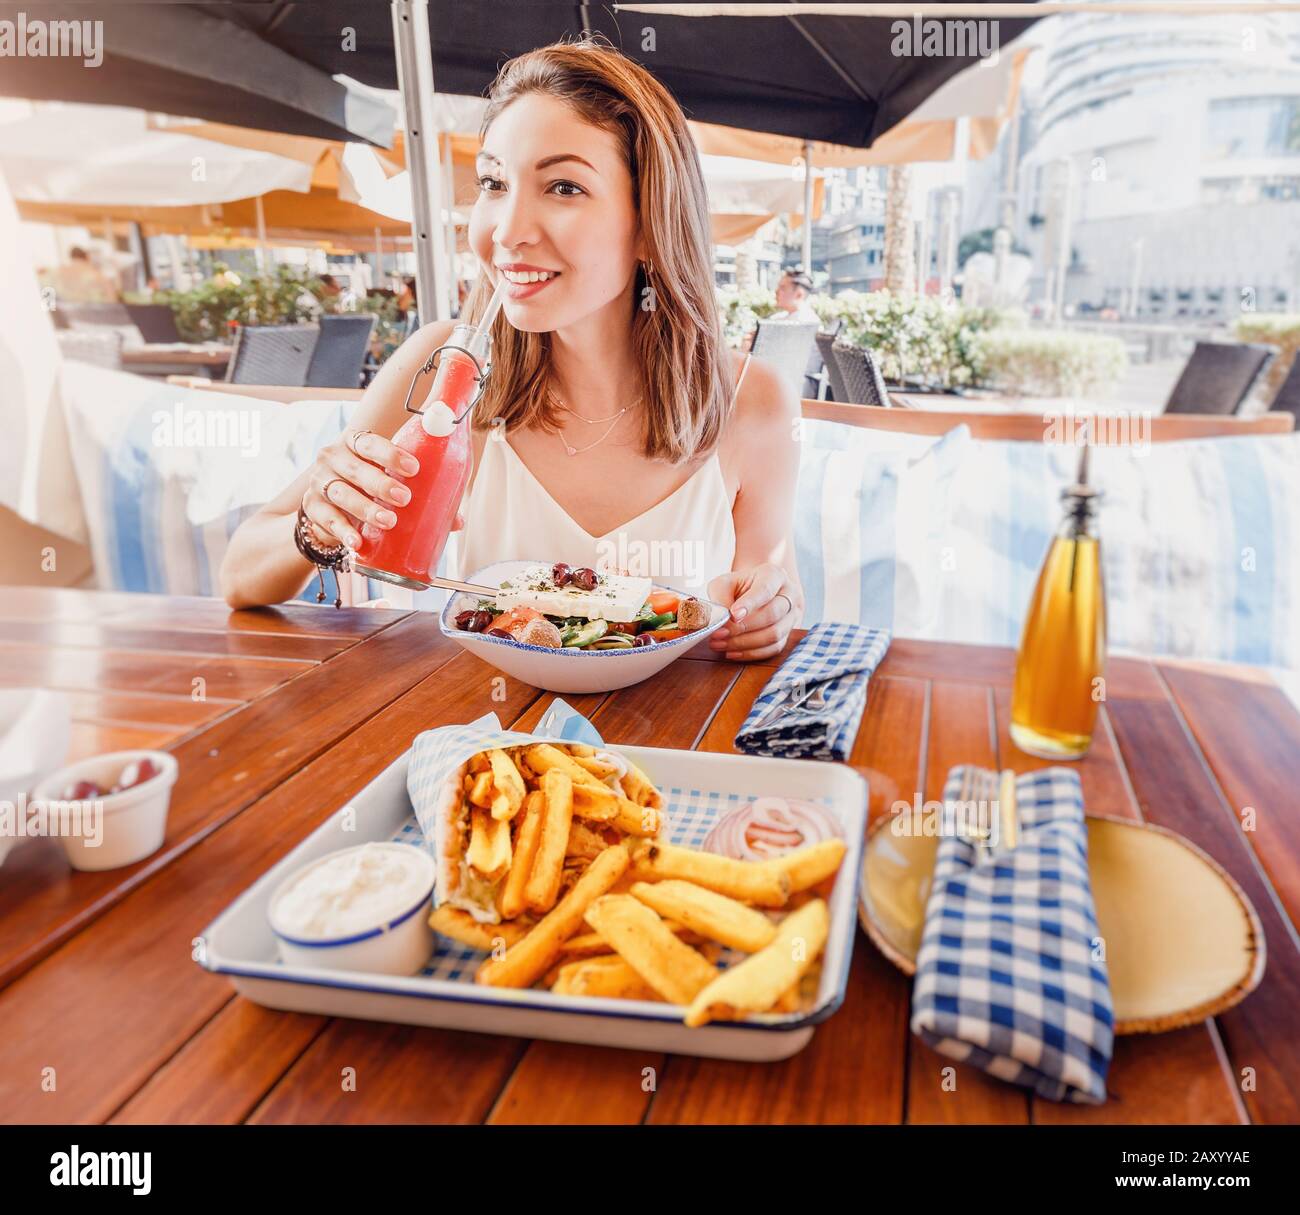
x=811 y=708
x=1010 y=976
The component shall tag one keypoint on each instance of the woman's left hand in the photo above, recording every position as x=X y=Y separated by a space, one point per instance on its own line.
x=765 y=603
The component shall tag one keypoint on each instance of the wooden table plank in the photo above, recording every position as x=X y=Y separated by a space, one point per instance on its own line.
x=145 y=709
x=135 y=958
x=223 y=769
x=80 y=635
x=1174 y=789
x=190 y=613
x=1250 y=735
x=128 y=671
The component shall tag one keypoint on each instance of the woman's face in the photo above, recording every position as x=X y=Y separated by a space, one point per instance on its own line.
x=554 y=196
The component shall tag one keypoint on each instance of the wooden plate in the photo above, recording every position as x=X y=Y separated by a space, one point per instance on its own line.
x=1182 y=940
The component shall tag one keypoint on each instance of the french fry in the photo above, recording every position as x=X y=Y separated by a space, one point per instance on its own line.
x=480 y=793
x=763 y=978
x=478 y=763
x=709 y=913
x=489 y=844
x=543 y=885
x=584 y=842
x=675 y=970
x=599 y=768
x=608 y=975
x=589 y=944
x=508 y=783
x=788 y=1001
x=542 y=757
x=639 y=788
x=602 y=804
x=576 y=749
x=527 y=837
x=526 y=961
x=457 y=924
x=747 y=881
x=809 y=866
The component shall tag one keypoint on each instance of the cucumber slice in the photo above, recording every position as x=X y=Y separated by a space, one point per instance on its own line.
x=585 y=634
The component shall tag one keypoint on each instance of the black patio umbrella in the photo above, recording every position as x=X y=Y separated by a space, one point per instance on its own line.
x=829 y=78
x=269 y=64
x=183 y=59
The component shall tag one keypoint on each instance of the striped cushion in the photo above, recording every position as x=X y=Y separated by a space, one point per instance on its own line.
x=870 y=514
x=167 y=474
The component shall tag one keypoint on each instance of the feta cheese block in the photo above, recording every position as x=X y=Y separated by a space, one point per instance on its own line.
x=616 y=597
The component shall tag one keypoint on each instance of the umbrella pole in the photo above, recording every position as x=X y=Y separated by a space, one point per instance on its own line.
x=261 y=232
x=807 y=206
x=414 y=50
x=448 y=194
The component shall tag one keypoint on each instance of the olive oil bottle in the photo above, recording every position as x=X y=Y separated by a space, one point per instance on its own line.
x=1063 y=647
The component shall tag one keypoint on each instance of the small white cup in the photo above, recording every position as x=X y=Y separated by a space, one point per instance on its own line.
x=134 y=822
x=400 y=946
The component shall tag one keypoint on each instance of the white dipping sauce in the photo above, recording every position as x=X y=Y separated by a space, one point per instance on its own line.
x=353 y=891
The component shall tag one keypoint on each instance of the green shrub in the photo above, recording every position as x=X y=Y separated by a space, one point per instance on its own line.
x=1273 y=329
x=210 y=311
x=918 y=337
x=741 y=310
x=1050 y=363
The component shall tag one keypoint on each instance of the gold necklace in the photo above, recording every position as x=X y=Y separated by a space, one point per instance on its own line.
x=569 y=449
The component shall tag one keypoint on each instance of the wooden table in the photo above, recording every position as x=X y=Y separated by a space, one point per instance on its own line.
x=306 y=706
x=167 y=358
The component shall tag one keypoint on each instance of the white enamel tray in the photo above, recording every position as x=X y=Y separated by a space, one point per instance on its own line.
x=239 y=941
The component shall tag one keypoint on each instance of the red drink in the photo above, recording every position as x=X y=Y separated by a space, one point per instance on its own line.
x=408 y=552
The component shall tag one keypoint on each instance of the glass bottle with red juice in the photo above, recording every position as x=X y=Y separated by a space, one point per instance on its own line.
x=438 y=436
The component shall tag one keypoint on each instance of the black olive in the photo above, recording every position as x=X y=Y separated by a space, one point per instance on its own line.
x=463 y=618
x=642 y=639
x=498 y=633
x=479 y=621
x=584 y=579
x=561 y=575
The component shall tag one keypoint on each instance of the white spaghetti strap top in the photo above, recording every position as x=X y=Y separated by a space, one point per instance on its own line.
x=682 y=541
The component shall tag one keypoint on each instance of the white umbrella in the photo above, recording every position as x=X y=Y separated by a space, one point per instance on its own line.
x=110 y=156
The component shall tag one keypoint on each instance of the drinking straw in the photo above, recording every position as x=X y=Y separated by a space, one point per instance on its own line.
x=494 y=306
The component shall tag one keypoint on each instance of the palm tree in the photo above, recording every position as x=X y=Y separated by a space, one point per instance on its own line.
x=900 y=254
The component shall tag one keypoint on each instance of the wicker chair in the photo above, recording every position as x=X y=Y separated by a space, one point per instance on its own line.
x=863 y=383
x=1288 y=396
x=826 y=348
x=786 y=345
x=156 y=322
x=1218 y=377
x=341 y=351
x=273 y=355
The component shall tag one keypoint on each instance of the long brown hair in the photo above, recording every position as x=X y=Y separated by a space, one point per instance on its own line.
x=677 y=340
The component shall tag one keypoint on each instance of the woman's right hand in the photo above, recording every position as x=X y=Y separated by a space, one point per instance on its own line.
x=357 y=479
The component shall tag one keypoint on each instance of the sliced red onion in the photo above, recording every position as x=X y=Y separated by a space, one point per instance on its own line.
x=769 y=827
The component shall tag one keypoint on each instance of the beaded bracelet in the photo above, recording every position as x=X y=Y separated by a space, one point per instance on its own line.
x=334 y=559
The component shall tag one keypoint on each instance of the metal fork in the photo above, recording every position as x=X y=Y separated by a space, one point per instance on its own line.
x=812 y=701
x=996 y=816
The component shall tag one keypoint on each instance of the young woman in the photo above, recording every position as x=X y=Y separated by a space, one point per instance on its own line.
x=617 y=430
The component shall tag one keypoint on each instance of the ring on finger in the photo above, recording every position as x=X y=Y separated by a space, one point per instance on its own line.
x=325 y=489
x=789 y=601
x=351 y=443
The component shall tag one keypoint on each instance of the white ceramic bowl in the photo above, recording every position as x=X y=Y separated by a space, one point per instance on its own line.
x=133 y=823
x=400 y=945
x=566 y=670
x=35 y=728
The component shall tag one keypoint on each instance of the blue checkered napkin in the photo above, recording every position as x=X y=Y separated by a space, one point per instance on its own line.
x=1006 y=977
x=836 y=658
